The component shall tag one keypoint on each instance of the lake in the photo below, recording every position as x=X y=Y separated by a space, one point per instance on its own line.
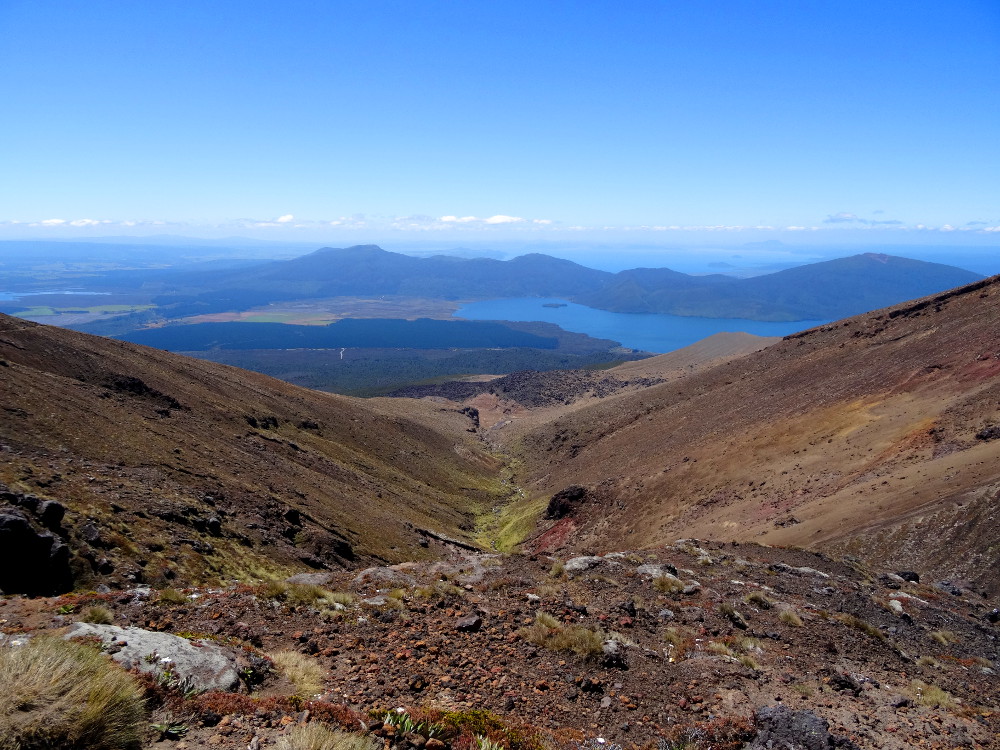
x=648 y=332
x=11 y=296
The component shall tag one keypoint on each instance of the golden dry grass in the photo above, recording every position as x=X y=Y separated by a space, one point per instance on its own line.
x=316 y=736
x=547 y=632
x=58 y=694
x=306 y=674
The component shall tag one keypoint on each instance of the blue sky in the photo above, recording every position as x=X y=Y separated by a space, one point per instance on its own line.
x=665 y=121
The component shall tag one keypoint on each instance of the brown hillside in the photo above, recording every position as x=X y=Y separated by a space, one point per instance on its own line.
x=709 y=350
x=871 y=435
x=174 y=468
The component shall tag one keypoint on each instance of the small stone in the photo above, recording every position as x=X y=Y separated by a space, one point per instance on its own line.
x=469 y=624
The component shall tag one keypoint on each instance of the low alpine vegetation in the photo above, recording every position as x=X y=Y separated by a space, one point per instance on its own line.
x=790 y=617
x=66 y=695
x=305 y=673
x=97 y=615
x=547 y=632
x=317 y=736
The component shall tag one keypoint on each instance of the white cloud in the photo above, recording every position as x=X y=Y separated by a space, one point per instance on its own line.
x=52 y=222
x=285 y=219
x=87 y=222
x=501 y=219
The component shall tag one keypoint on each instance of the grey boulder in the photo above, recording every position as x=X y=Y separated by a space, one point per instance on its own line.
x=188 y=664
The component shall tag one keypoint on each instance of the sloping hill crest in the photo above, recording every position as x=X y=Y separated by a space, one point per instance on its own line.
x=877 y=435
x=173 y=468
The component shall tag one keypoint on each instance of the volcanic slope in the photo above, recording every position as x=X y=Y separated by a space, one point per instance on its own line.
x=174 y=469
x=877 y=435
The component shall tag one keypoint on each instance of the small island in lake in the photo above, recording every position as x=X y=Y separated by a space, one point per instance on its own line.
x=555 y=304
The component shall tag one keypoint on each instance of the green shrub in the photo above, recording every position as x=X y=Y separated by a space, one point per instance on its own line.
x=59 y=694
x=316 y=736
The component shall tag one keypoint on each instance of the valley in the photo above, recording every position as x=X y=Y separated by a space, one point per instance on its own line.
x=742 y=539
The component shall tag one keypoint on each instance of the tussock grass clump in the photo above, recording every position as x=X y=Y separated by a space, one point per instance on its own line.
x=720 y=648
x=678 y=643
x=438 y=590
x=172 y=596
x=316 y=736
x=668 y=584
x=273 y=590
x=858 y=624
x=546 y=631
x=66 y=695
x=558 y=569
x=932 y=695
x=928 y=661
x=307 y=594
x=97 y=615
x=305 y=673
x=790 y=617
x=759 y=600
x=728 y=611
x=945 y=637
x=546 y=620
x=549 y=590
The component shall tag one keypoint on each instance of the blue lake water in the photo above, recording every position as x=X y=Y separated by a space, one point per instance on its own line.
x=9 y=296
x=649 y=332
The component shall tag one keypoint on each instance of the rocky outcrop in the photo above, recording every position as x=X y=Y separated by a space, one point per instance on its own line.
x=564 y=502
x=780 y=728
x=191 y=664
x=32 y=561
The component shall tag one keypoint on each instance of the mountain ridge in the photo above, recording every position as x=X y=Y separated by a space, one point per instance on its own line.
x=817 y=291
x=861 y=436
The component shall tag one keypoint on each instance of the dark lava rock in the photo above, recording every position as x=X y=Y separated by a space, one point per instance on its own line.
x=628 y=607
x=780 y=728
x=909 y=575
x=993 y=616
x=949 y=588
x=565 y=502
x=51 y=514
x=32 y=562
x=888 y=581
x=989 y=433
x=469 y=624
x=613 y=655
x=91 y=534
x=844 y=683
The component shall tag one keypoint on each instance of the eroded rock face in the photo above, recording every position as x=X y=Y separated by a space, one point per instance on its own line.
x=32 y=561
x=564 y=502
x=192 y=664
